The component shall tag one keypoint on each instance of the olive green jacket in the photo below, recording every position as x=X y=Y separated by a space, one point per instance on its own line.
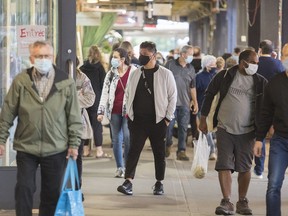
x=43 y=128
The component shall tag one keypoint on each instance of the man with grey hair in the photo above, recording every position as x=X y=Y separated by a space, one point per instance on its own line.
x=184 y=75
x=48 y=130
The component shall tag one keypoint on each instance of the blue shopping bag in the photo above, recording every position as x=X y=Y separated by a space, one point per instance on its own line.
x=70 y=200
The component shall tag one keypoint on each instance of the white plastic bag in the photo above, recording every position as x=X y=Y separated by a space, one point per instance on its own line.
x=201 y=157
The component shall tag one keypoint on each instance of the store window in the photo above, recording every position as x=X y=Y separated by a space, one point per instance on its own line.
x=21 y=23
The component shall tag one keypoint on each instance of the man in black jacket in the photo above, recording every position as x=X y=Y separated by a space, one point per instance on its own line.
x=241 y=93
x=274 y=112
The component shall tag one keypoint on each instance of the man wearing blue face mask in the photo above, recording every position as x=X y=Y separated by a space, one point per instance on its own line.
x=274 y=112
x=184 y=75
x=236 y=116
x=48 y=131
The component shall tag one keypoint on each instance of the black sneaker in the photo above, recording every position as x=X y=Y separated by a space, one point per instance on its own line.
x=125 y=188
x=158 y=188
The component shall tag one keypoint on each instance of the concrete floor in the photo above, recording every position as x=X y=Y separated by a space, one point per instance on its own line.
x=184 y=194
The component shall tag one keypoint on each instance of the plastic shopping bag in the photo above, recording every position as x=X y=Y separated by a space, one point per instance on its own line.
x=201 y=156
x=70 y=200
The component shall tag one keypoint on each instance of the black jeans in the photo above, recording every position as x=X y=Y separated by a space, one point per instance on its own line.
x=139 y=132
x=52 y=171
x=80 y=161
x=97 y=128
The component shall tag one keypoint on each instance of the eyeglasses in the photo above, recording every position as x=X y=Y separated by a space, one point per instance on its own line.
x=42 y=56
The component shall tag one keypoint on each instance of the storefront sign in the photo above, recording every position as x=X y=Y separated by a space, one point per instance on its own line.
x=27 y=34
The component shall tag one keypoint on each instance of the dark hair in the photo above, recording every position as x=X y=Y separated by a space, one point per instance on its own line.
x=237 y=50
x=244 y=55
x=123 y=54
x=226 y=56
x=149 y=45
x=266 y=46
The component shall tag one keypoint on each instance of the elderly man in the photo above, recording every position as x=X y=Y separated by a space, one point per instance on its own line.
x=184 y=75
x=48 y=131
x=236 y=116
x=274 y=112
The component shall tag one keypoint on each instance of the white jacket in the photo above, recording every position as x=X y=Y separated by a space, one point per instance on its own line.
x=165 y=93
x=108 y=92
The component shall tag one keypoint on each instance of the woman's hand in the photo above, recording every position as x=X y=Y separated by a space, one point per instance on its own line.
x=100 y=118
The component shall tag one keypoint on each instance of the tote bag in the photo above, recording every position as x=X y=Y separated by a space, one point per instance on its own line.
x=70 y=200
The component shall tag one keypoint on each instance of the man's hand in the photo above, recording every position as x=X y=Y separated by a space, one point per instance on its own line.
x=258 y=148
x=194 y=107
x=2 y=150
x=72 y=152
x=203 y=125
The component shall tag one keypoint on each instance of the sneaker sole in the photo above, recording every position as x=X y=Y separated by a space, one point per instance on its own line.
x=122 y=190
x=223 y=212
x=158 y=193
x=243 y=213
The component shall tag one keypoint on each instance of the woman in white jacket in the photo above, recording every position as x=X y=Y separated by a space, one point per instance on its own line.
x=113 y=105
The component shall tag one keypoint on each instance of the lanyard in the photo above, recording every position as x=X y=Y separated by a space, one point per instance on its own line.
x=145 y=81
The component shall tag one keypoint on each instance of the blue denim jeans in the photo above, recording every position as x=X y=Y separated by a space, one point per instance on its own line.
x=210 y=142
x=182 y=116
x=259 y=161
x=120 y=134
x=277 y=165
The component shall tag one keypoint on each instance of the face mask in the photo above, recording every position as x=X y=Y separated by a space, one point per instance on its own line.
x=252 y=69
x=189 y=59
x=115 y=63
x=43 y=66
x=176 y=56
x=144 y=59
x=285 y=64
x=212 y=70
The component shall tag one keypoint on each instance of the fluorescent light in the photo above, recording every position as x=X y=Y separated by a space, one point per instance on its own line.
x=92 y=1
x=149 y=0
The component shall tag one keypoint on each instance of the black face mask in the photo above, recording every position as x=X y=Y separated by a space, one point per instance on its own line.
x=144 y=59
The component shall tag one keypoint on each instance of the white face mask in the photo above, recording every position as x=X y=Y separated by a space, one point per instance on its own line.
x=252 y=69
x=285 y=64
x=43 y=66
x=115 y=62
x=189 y=59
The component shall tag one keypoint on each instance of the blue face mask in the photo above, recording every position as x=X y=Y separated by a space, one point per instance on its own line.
x=43 y=66
x=189 y=59
x=285 y=64
x=115 y=63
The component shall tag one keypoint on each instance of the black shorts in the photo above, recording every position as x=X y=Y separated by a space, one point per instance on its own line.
x=235 y=152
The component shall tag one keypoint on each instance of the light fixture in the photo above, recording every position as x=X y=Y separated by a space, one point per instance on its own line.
x=149 y=0
x=92 y=1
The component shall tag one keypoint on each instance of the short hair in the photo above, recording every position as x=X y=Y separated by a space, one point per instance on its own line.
x=39 y=44
x=198 y=52
x=244 y=55
x=266 y=46
x=208 y=60
x=230 y=62
x=185 y=48
x=149 y=45
x=220 y=62
x=123 y=54
x=237 y=50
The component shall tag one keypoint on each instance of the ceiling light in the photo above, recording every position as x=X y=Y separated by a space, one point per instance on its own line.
x=149 y=0
x=92 y=1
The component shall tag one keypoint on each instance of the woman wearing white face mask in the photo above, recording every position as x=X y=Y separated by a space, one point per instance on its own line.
x=113 y=105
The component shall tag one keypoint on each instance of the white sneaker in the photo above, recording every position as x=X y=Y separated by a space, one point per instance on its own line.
x=212 y=156
x=120 y=172
x=255 y=176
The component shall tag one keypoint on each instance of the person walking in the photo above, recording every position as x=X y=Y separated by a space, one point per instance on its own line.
x=48 y=129
x=236 y=116
x=94 y=70
x=113 y=105
x=86 y=98
x=203 y=79
x=184 y=75
x=151 y=102
x=267 y=67
x=274 y=112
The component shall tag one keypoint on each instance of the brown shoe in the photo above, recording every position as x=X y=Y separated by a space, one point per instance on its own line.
x=167 y=151
x=181 y=155
x=243 y=208
x=225 y=208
